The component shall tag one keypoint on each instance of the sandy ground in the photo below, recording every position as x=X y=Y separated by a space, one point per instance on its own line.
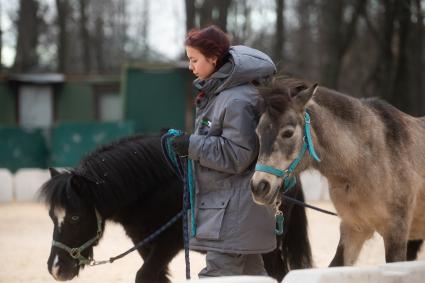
x=26 y=231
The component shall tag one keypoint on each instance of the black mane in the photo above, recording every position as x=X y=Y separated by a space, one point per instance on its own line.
x=112 y=170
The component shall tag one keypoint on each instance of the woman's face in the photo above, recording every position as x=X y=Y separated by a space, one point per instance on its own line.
x=201 y=66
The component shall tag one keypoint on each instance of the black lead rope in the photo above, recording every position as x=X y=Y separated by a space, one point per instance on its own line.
x=148 y=239
x=308 y=205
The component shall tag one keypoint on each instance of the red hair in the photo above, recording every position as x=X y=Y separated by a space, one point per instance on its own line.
x=210 y=41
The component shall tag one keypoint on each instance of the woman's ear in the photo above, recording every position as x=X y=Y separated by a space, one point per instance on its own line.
x=213 y=60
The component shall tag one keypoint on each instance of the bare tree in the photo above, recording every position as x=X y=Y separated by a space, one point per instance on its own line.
x=190 y=14
x=1 y=37
x=28 y=24
x=417 y=63
x=223 y=10
x=85 y=36
x=99 y=41
x=279 y=36
x=336 y=36
x=63 y=14
x=205 y=13
x=304 y=48
x=214 y=12
x=401 y=76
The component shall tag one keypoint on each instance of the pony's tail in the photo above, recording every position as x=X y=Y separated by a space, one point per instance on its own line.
x=296 y=244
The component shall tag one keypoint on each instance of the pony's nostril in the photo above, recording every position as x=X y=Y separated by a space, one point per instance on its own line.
x=261 y=189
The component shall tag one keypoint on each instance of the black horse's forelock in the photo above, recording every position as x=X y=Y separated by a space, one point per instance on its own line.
x=112 y=171
x=54 y=191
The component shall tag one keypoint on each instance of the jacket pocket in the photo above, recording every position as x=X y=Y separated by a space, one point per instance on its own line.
x=211 y=212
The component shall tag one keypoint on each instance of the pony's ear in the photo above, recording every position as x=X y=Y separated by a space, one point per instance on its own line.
x=78 y=181
x=304 y=96
x=79 y=185
x=53 y=172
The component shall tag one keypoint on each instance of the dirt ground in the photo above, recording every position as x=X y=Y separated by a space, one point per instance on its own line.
x=26 y=231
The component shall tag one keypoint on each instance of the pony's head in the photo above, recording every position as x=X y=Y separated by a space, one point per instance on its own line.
x=77 y=224
x=281 y=135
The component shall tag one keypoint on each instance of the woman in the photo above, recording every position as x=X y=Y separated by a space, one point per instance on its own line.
x=224 y=147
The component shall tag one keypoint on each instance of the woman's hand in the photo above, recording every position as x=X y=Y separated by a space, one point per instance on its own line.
x=181 y=145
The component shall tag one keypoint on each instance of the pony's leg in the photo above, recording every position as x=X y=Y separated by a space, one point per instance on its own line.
x=395 y=242
x=296 y=244
x=350 y=243
x=413 y=247
x=158 y=255
x=274 y=264
x=396 y=232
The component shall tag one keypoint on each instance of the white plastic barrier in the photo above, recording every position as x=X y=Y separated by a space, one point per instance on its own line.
x=233 y=279
x=6 y=185
x=315 y=186
x=28 y=182
x=400 y=272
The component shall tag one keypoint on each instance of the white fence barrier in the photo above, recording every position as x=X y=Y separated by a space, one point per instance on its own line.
x=315 y=186
x=233 y=279
x=28 y=182
x=24 y=184
x=6 y=185
x=399 y=272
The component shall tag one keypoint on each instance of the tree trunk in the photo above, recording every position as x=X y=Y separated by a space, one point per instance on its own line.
x=1 y=38
x=223 y=9
x=337 y=37
x=401 y=96
x=279 y=35
x=303 y=55
x=99 y=44
x=331 y=13
x=190 y=14
x=85 y=36
x=387 y=57
x=417 y=61
x=63 y=10
x=205 y=13
x=27 y=38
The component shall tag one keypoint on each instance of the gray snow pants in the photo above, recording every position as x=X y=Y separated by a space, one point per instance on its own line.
x=225 y=264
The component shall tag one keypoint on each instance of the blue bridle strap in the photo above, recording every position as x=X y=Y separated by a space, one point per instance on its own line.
x=307 y=129
x=269 y=169
x=289 y=180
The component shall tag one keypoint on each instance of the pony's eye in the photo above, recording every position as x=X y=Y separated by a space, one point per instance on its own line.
x=74 y=219
x=287 y=134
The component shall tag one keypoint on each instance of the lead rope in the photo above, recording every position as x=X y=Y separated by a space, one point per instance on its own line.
x=178 y=164
x=279 y=218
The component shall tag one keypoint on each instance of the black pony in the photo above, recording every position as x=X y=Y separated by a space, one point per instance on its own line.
x=129 y=182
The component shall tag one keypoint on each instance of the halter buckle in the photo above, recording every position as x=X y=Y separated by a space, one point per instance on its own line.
x=75 y=253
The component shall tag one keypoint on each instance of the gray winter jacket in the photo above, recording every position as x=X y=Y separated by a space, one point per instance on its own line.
x=224 y=148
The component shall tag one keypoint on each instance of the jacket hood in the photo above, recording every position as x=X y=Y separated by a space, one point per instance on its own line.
x=245 y=65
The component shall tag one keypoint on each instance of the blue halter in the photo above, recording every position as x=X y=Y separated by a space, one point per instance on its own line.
x=289 y=179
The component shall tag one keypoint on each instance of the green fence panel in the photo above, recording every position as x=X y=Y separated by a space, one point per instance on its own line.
x=75 y=95
x=20 y=148
x=156 y=98
x=7 y=105
x=72 y=141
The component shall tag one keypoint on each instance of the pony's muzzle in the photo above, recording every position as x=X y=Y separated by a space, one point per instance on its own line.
x=260 y=189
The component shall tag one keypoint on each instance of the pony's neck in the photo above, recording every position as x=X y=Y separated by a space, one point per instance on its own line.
x=334 y=137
